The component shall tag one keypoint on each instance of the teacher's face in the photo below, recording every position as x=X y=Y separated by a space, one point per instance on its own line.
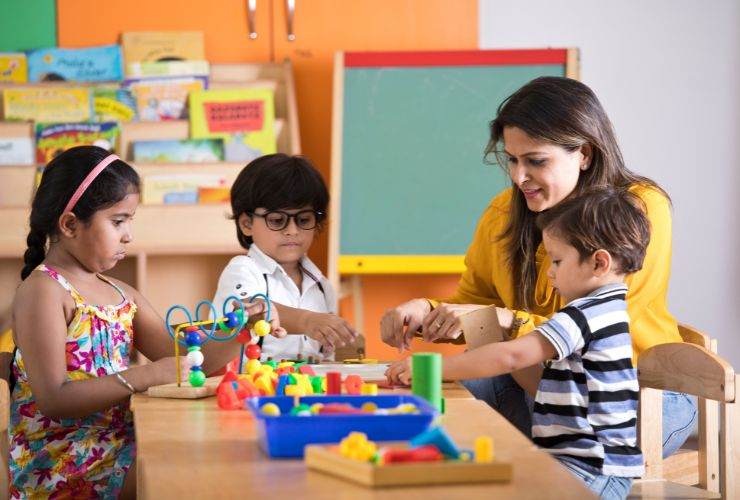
x=545 y=173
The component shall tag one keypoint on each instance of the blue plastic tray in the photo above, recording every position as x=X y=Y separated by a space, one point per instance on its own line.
x=286 y=436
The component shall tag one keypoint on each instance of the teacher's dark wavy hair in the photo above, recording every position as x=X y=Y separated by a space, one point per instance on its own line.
x=566 y=113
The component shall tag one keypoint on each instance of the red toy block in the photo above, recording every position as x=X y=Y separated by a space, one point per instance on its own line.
x=333 y=383
x=427 y=453
x=307 y=370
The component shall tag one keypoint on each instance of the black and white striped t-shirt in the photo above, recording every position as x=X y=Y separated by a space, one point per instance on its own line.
x=586 y=403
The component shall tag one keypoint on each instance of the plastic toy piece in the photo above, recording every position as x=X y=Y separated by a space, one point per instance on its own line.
x=253 y=351
x=261 y=328
x=483 y=449
x=357 y=447
x=428 y=453
x=426 y=378
x=333 y=383
x=353 y=384
x=437 y=437
x=253 y=366
x=270 y=409
x=306 y=370
x=283 y=381
x=369 y=389
x=339 y=409
x=317 y=383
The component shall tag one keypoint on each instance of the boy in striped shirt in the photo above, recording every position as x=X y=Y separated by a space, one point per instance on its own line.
x=585 y=407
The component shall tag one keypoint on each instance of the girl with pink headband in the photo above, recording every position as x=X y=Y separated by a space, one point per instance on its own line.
x=71 y=431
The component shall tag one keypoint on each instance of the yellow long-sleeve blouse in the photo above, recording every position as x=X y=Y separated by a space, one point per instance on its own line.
x=488 y=280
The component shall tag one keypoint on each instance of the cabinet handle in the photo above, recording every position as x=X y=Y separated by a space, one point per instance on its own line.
x=251 y=8
x=290 y=8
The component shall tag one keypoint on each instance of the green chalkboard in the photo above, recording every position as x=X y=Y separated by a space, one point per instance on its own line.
x=413 y=179
x=27 y=24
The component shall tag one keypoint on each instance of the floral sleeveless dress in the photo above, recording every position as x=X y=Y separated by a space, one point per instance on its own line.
x=75 y=457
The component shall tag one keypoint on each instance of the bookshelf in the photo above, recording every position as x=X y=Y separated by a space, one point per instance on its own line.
x=178 y=251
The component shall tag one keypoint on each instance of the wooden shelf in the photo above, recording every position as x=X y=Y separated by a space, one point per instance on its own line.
x=178 y=251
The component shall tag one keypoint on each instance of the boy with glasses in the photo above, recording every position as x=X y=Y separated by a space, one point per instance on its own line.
x=278 y=205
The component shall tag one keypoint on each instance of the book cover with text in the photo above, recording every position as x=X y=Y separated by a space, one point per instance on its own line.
x=243 y=118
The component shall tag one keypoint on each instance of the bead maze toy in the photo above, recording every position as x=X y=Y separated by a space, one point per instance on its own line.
x=430 y=458
x=193 y=333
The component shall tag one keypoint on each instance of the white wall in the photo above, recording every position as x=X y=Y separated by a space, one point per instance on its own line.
x=668 y=74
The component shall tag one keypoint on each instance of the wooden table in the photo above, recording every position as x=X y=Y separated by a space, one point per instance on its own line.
x=191 y=449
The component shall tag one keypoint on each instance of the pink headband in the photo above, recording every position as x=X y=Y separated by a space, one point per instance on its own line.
x=89 y=180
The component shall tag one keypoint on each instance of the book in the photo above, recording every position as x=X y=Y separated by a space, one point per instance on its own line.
x=144 y=69
x=55 y=138
x=13 y=67
x=16 y=151
x=92 y=64
x=164 y=98
x=149 y=46
x=243 y=118
x=207 y=195
x=174 y=151
x=47 y=104
x=177 y=188
x=113 y=104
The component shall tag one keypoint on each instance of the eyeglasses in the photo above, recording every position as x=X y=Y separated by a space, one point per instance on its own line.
x=277 y=220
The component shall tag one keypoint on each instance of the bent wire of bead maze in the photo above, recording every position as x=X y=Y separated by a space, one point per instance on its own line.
x=192 y=334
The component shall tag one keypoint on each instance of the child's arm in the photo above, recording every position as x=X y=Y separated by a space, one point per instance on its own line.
x=486 y=361
x=41 y=311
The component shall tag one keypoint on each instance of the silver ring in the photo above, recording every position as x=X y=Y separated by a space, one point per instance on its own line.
x=438 y=324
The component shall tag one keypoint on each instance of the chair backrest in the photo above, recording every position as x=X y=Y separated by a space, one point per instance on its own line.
x=690 y=367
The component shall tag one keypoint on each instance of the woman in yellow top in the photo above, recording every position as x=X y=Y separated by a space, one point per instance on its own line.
x=556 y=140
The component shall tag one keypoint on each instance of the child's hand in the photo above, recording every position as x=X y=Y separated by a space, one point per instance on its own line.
x=400 y=372
x=256 y=311
x=329 y=329
x=165 y=370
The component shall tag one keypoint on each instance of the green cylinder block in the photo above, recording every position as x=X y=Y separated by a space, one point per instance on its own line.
x=426 y=378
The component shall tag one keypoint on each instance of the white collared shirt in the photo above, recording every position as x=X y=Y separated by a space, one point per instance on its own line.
x=247 y=275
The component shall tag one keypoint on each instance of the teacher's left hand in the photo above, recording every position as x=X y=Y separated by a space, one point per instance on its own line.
x=444 y=321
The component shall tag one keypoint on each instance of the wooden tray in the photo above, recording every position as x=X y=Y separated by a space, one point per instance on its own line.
x=185 y=391
x=327 y=460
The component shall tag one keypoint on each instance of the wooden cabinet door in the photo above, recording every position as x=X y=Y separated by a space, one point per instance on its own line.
x=323 y=27
x=82 y=23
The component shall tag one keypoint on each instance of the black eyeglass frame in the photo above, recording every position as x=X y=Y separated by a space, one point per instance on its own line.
x=319 y=216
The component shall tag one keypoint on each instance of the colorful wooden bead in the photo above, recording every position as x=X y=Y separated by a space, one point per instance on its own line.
x=262 y=328
x=195 y=358
x=254 y=351
x=197 y=378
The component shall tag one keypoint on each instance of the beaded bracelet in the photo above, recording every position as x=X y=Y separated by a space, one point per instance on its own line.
x=125 y=383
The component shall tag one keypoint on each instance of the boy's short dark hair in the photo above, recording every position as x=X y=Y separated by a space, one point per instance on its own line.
x=602 y=218
x=276 y=182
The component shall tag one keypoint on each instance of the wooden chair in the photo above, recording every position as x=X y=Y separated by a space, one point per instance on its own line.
x=693 y=368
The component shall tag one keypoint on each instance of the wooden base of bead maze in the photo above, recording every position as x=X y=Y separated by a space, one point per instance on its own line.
x=327 y=459
x=185 y=391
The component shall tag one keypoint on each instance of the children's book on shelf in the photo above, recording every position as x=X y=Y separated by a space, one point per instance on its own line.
x=243 y=118
x=92 y=64
x=54 y=138
x=177 y=188
x=47 y=104
x=179 y=151
x=150 y=69
x=112 y=103
x=164 y=98
x=149 y=46
x=16 y=151
x=13 y=67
